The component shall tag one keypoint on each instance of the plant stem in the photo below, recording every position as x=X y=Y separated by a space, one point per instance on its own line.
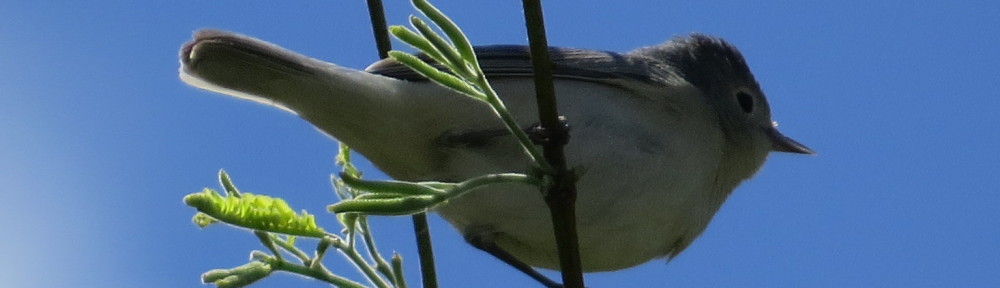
x=422 y=231
x=421 y=228
x=265 y=238
x=319 y=273
x=290 y=248
x=561 y=196
x=380 y=264
x=377 y=15
x=488 y=179
x=348 y=251
x=397 y=268
x=501 y=111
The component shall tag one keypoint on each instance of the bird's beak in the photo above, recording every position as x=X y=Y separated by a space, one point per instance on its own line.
x=781 y=143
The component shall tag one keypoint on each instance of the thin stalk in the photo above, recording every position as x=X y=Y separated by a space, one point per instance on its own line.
x=397 y=267
x=508 y=120
x=561 y=196
x=421 y=228
x=359 y=262
x=321 y=274
x=377 y=15
x=290 y=248
x=265 y=238
x=382 y=266
x=488 y=179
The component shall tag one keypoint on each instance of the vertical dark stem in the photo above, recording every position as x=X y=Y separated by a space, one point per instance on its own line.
x=420 y=227
x=377 y=15
x=422 y=231
x=561 y=196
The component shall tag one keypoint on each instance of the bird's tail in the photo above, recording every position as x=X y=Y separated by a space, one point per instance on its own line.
x=388 y=120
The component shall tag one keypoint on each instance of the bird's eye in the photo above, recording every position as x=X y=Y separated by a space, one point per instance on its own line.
x=745 y=101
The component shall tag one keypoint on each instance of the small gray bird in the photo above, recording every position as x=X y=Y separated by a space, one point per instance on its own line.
x=660 y=135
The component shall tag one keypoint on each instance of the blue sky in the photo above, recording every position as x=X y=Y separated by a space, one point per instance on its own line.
x=101 y=140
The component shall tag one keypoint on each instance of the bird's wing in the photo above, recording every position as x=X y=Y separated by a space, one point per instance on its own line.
x=514 y=61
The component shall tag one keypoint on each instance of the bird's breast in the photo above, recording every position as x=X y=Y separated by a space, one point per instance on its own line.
x=645 y=186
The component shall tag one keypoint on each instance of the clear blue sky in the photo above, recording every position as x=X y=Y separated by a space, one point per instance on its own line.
x=100 y=140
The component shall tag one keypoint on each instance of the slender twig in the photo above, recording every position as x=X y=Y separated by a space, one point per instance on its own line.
x=380 y=264
x=421 y=228
x=289 y=248
x=484 y=180
x=425 y=250
x=561 y=196
x=352 y=255
x=319 y=273
x=397 y=268
x=265 y=238
x=377 y=15
x=501 y=111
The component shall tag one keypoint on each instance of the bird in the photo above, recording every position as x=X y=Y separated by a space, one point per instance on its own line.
x=660 y=136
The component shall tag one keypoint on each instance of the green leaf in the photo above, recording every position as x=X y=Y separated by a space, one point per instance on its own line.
x=257 y=212
x=227 y=184
x=396 y=187
x=416 y=41
x=442 y=78
x=203 y=220
x=241 y=276
x=344 y=160
x=397 y=269
x=458 y=38
x=403 y=198
x=349 y=221
x=455 y=63
x=383 y=195
x=392 y=206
